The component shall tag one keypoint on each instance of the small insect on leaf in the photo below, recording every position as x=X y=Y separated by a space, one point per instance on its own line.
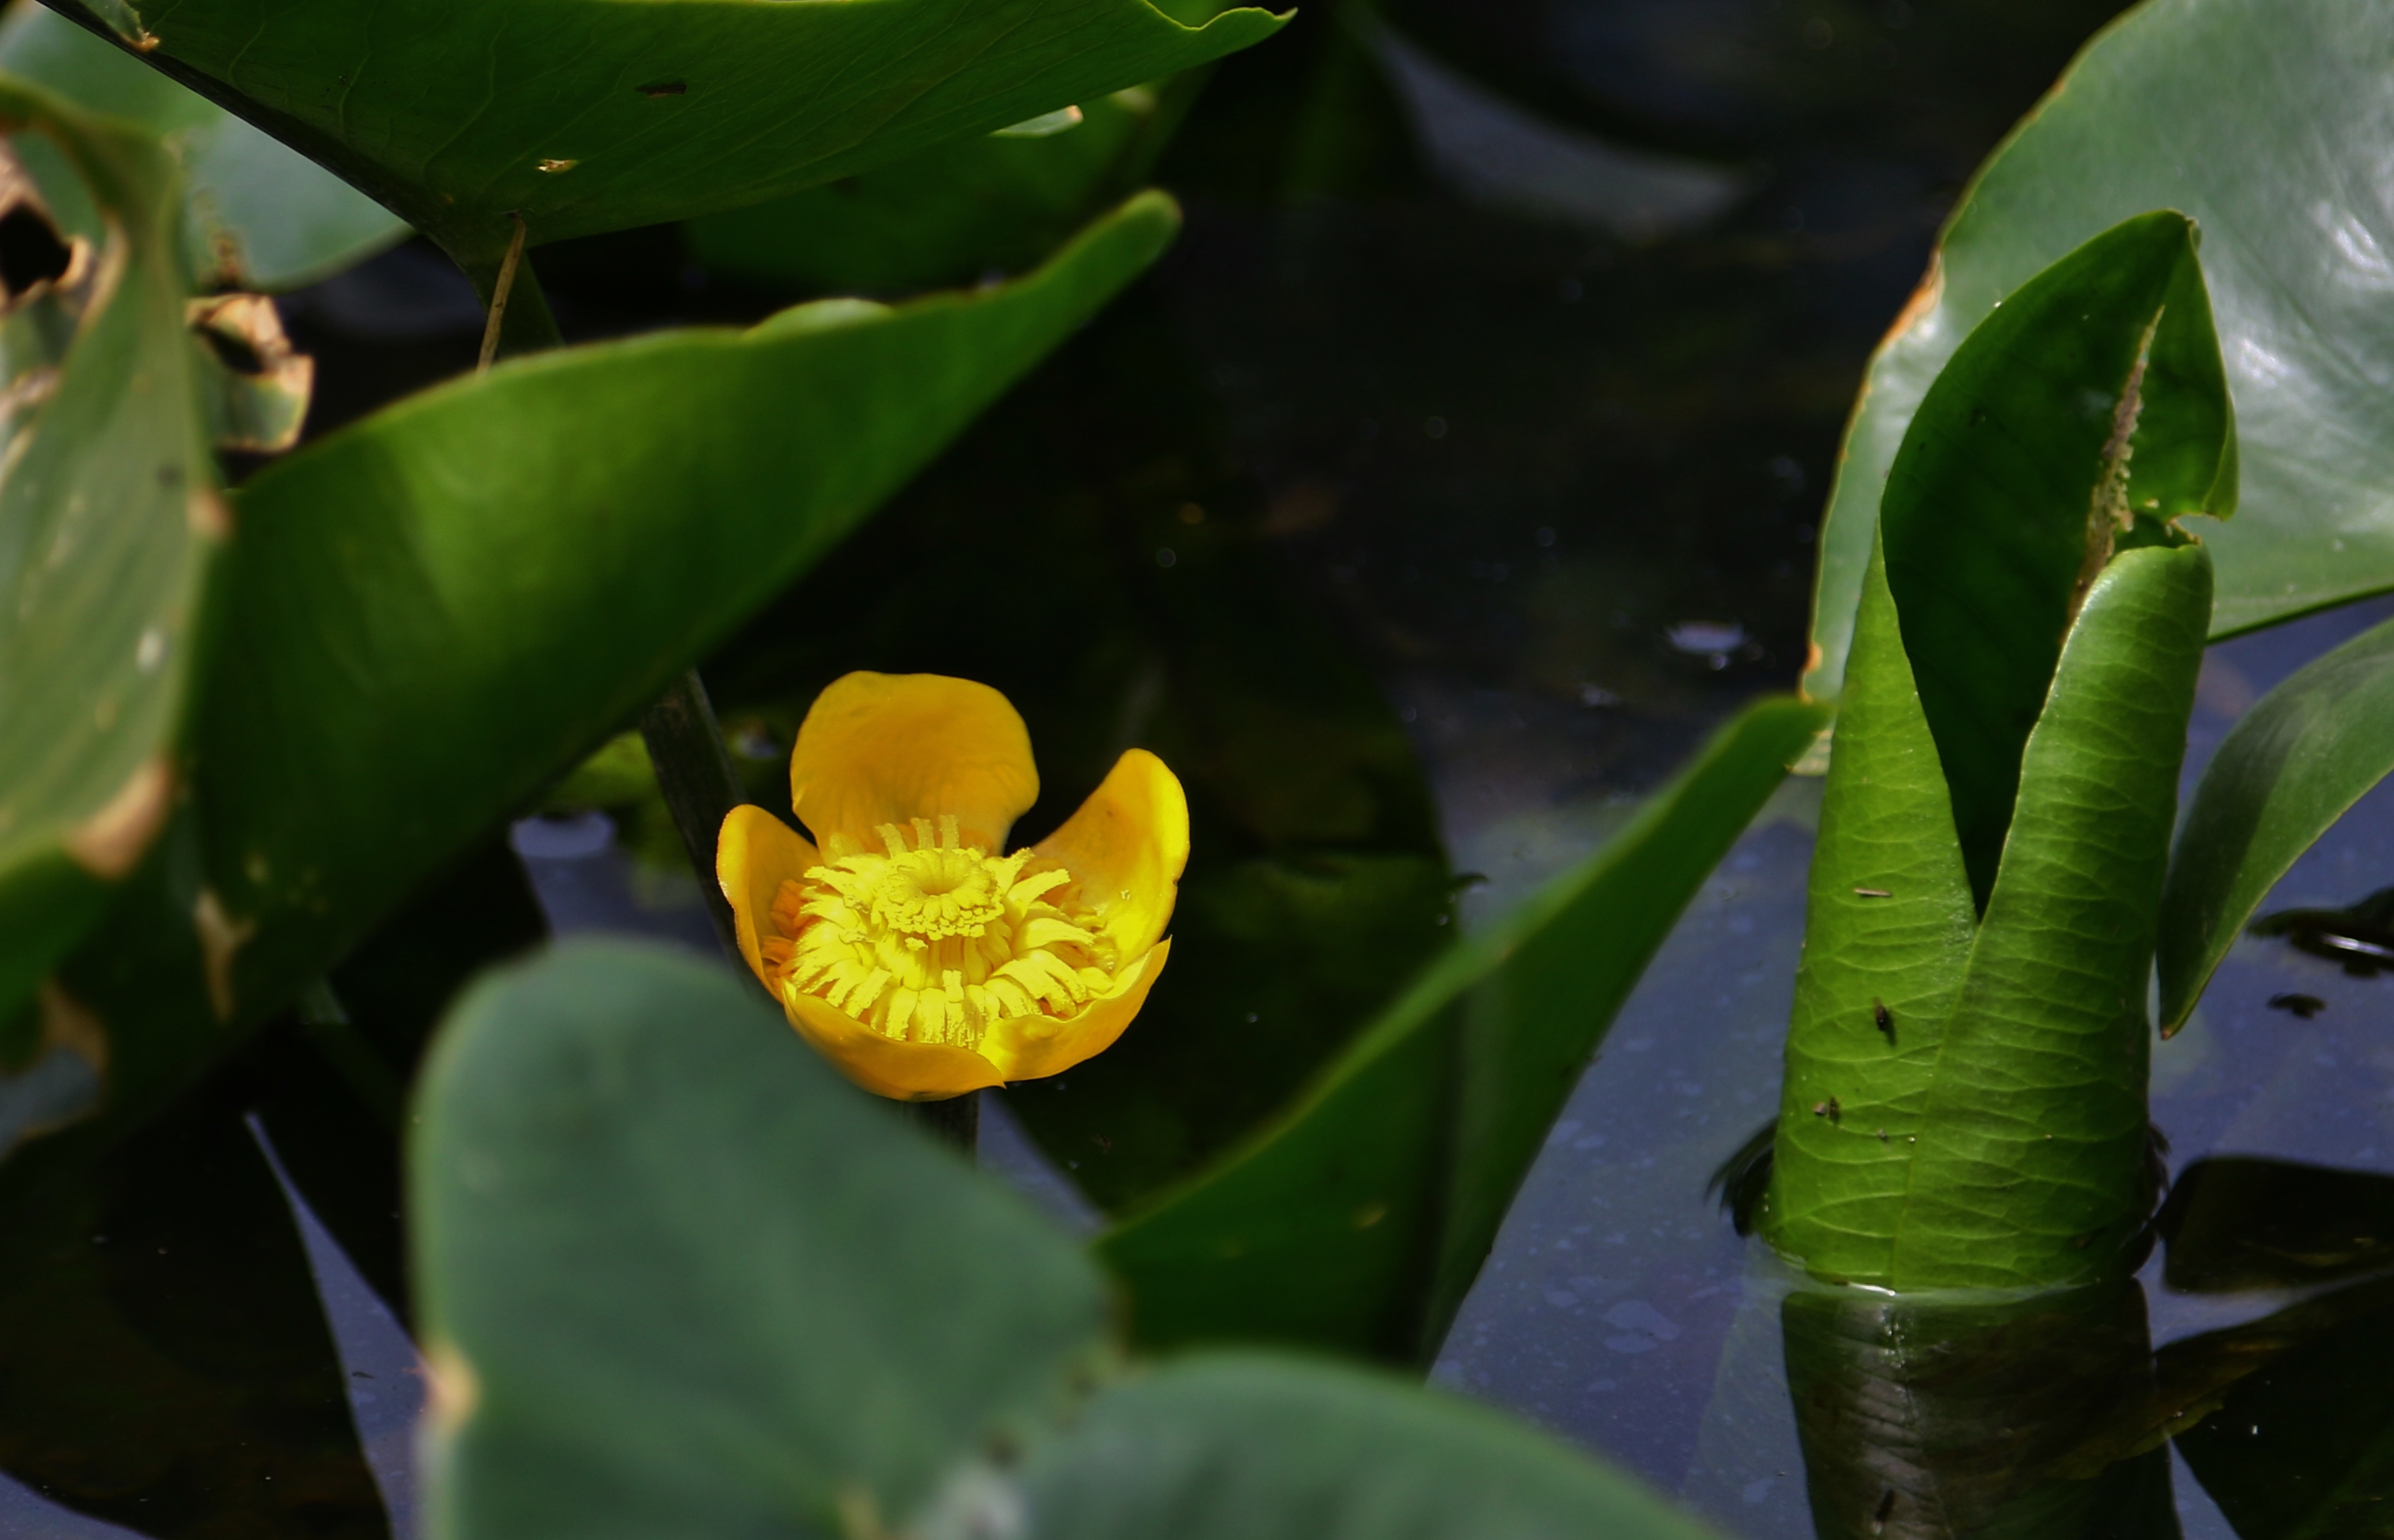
x=2302 y=1006
x=1873 y=893
x=1883 y=1019
x=1829 y=1109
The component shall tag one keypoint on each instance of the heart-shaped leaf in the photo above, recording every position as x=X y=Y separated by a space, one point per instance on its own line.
x=2281 y=168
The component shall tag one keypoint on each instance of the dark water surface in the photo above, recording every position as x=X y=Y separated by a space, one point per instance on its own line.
x=1453 y=475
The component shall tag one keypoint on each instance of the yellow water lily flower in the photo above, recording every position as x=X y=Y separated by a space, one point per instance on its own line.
x=910 y=949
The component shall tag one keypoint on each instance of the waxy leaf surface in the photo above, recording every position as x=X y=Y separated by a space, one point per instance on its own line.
x=589 y=115
x=2281 y=167
x=680 y=1278
x=110 y=525
x=436 y=611
x=1359 y=1218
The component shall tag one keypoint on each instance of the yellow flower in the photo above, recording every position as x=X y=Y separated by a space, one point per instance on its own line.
x=915 y=954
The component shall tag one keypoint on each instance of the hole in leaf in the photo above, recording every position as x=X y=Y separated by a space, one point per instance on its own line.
x=31 y=251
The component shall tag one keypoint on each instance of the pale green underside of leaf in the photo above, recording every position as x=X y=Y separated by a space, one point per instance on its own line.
x=703 y=1286
x=647 y=110
x=1360 y=1219
x=2014 y=1111
x=259 y=215
x=108 y=526
x=2281 y=167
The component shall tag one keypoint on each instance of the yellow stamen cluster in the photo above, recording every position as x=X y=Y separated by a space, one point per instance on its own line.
x=937 y=940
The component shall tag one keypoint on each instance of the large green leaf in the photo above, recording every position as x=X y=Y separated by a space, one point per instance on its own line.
x=681 y=1279
x=1246 y=1447
x=589 y=115
x=2092 y=397
x=1358 y=1220
x=110 y=524
x=258 y=214
x=2281 y=167
x=1965 y=1107
x=2308 y=750
x=950 y=215
x=1995 y=1136
x=434 y=613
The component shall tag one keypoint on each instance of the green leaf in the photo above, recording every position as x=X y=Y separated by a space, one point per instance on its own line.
x=2288 y=769
x=588 y=116
x=2093 y=395
x=519 y=562
x=1246 y=1447
x=1963 y=1104
x=109 y=524
x=258 y=214
x=1994 y=1135
x=1360 y=1219
x=2281 y=171
x=680 y=1278
x=950 y=215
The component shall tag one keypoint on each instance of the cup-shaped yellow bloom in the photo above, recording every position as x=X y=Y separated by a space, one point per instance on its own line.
x=909 y=948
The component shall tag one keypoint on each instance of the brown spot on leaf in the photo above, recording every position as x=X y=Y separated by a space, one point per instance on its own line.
x=209 y=516
x=456 y=1388
x=109 y=841
x=221 y=937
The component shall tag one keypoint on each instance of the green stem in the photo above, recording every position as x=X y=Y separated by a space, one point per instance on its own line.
x=694 y=774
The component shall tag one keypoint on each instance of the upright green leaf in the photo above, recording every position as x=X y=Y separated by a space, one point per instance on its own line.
x=1360 y=1219
x=681 y=1279
x=2280 y=165
x=259 y=214
x=2308 y=751
x=110 y=524
x=1965 y=1106
x=2094 y=392
x=589 y=115
x=432 y=614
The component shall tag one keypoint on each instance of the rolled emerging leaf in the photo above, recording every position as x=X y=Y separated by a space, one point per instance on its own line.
x=908 y=947
x=1967 y=1061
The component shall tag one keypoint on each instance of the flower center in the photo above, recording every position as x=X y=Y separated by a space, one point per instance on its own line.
x=938 y=940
